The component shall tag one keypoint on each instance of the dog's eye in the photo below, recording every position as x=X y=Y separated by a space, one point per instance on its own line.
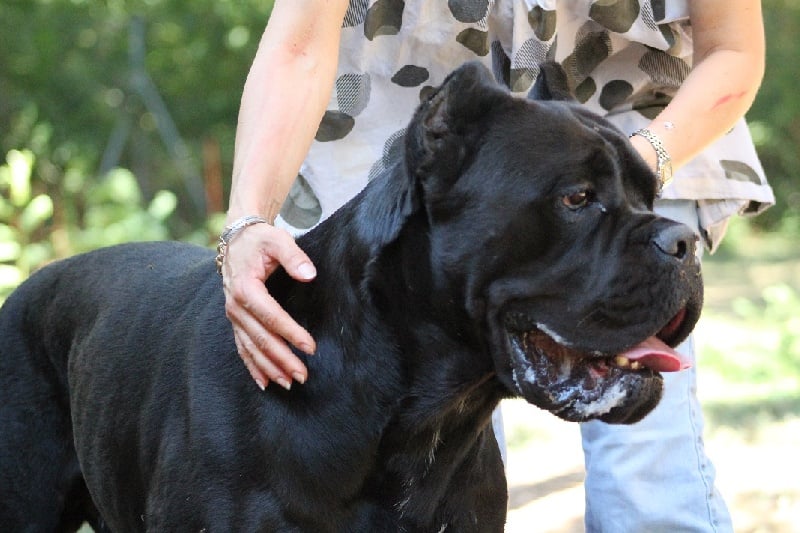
x=578 y=199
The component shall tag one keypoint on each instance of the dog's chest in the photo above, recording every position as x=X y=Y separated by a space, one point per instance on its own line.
x=446 y=479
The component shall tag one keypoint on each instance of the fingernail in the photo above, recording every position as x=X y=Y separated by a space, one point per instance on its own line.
x=306 y=348
x=307 y=271
x=298 y=377
x=261 y=384
x=283 y=382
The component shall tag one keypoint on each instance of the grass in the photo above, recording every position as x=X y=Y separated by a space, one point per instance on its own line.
x=748 y=338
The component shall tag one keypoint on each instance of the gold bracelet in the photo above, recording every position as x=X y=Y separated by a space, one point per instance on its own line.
x=230 y=232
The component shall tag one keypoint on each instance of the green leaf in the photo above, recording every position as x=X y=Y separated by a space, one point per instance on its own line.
x=163 y=205
x=34 y=255
x=8 y=233
x=10 y=276
x=39 y=210
x=9 y=251
x=20 y=165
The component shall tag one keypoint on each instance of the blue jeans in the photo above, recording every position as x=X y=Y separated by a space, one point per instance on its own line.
x=654 y=476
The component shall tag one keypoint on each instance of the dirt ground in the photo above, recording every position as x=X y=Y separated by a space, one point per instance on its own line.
x=759 y=476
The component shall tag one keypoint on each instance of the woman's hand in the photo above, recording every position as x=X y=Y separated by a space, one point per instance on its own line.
x=260 y=325
x=284 y=99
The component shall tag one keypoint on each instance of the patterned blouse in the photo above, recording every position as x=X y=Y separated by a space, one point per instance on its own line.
x=625 y=59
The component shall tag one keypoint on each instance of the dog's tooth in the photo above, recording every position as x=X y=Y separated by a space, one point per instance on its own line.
x=636 y=365
x=622 y=361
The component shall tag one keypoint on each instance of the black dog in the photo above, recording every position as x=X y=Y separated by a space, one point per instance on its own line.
x=512 y=251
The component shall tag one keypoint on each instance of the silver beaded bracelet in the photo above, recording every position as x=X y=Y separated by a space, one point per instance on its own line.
x=663 y=163
x=230 y=232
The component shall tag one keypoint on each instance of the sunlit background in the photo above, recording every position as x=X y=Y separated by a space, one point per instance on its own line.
x=117 y=121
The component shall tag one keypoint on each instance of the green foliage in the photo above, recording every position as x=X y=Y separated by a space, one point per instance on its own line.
x=750 y=331
x=71 y=70
x=89 y=160
x=33 y=231
x=775 y=116
x=780 y=312
x=21 y=215
x=761 y=342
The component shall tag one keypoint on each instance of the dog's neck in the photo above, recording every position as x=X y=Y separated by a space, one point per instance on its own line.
x=381 y=286
x=379 y=310
x=381 y=277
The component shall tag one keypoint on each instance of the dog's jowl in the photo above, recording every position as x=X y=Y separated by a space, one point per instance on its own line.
x=511 y=251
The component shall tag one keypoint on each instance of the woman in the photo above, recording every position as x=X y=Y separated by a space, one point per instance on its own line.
x=679 y=76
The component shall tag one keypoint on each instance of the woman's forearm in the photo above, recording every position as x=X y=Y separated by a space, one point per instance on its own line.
x=727 y=72
x=284 y=98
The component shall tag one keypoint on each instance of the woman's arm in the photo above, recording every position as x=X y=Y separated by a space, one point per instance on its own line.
x=284 y=98
x=728 y=38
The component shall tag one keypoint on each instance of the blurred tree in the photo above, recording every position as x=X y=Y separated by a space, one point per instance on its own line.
x=87 y=85
x=775 y=116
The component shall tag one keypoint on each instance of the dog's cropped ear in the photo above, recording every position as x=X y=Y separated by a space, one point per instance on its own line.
x=441 y=137
x=446 y=128
x=551 y=83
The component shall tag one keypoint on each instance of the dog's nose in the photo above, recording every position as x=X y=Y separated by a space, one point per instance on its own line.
x=676 y=240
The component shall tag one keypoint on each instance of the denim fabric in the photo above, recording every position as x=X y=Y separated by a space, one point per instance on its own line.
x=654 y=476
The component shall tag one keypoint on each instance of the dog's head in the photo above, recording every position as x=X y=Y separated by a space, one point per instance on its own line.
x=541 y=229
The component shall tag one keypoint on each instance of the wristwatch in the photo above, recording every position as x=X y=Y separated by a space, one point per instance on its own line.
x=664 y=163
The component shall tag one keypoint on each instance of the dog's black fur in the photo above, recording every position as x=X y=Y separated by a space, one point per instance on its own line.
x=512 y=251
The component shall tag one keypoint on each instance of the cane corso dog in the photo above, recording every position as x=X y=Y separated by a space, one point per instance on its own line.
x=511 y=250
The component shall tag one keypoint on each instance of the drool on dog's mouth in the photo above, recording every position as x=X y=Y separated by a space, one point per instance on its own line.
x=580 y=385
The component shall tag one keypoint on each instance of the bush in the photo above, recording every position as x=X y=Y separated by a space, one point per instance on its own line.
x=37 y=227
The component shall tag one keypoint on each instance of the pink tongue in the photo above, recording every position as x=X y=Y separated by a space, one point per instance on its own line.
x=657 y=356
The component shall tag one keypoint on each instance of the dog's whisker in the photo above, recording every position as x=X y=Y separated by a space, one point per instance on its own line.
x=587 y=317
